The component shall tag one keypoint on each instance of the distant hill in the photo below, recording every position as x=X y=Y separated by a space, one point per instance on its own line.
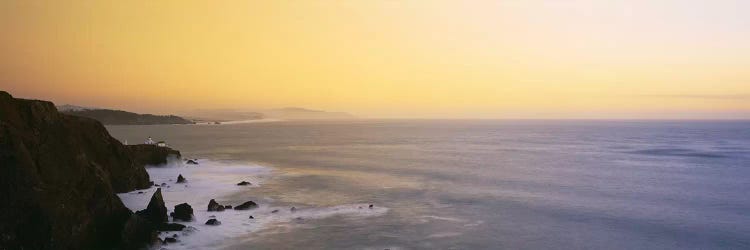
x=294 y=113
x=119 y=117
x=222 y=115
x=68 y=107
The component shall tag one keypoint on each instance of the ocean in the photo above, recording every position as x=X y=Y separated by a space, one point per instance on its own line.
x=461 y=184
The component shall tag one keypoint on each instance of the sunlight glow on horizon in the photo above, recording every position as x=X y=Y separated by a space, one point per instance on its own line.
x=395 y=59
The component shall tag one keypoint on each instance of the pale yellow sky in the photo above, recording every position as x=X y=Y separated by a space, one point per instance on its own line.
x=398 y=59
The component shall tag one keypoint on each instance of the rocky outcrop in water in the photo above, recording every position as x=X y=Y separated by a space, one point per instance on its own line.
x=246 y=206
x=58 y=179
x=214 y=206
x=181 y=179
x=183 y=212
x=156 y=211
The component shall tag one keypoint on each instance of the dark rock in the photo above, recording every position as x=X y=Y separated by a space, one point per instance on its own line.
x=213 y=206
x=371 y=206
x=275 y=211
x=155 y=212
x=213 y=222
x=183 y=212
x=244 y=183
x=251 y=217
x=227 y=206
x=140 y=192
x=246 y=206
x=138 y=233
x=59 y=175
x=170 y=240
x=168 y=227
x=152 y=155
x=191 y=162
x=181 y=179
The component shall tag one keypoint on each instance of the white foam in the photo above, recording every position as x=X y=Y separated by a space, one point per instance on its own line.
x=214 y=180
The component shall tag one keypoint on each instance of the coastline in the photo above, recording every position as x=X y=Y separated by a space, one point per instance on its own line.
x=218 y=180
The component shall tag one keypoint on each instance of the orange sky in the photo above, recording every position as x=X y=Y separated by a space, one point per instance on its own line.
x=397 y=59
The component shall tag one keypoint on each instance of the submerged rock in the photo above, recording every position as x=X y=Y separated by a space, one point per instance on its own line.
x=192 y=162
x=244 y=183
x=181 y=179
x=246 y=206
x=275 y=211
x=227 y=206
x=213 y=206
x=170 y=240
x=251 y=217
x=213 y=222
x=155 y=212
x=371 y=206
x=293 y=209
x=183 y=212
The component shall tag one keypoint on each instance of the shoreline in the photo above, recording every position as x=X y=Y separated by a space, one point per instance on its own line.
x=218 y=180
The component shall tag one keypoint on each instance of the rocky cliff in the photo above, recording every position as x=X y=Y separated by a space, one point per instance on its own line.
x=58 y=178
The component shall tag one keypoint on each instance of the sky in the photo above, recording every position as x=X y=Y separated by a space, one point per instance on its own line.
x=578 y=59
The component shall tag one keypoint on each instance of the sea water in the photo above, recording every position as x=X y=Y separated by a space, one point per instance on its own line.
x=460 y=184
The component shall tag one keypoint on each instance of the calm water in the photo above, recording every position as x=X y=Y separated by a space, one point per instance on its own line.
x=490 y=184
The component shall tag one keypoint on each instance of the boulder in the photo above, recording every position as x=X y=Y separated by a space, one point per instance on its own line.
x=246 y=206
x=181 y=179
x=213 y=206
x=155 y=212
x=244 y=183
x=213 y=222
x=183 y=212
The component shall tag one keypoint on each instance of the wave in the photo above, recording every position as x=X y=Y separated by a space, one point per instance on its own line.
x=681 y=152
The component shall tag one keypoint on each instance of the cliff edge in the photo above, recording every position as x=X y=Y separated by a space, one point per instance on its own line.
x=59 y=175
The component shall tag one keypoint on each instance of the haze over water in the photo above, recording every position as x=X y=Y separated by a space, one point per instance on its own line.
x=471 y=184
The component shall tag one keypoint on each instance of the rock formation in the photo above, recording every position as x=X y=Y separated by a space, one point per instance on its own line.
x=183 y=212
x=246 y=206
x=214 y=206
x=155 y=212
x=58 y=178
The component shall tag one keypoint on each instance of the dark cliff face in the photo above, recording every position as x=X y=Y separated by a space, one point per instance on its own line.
x=58 y=179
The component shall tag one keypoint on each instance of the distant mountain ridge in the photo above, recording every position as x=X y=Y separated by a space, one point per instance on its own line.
x=119 y=117
x=296 y=113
